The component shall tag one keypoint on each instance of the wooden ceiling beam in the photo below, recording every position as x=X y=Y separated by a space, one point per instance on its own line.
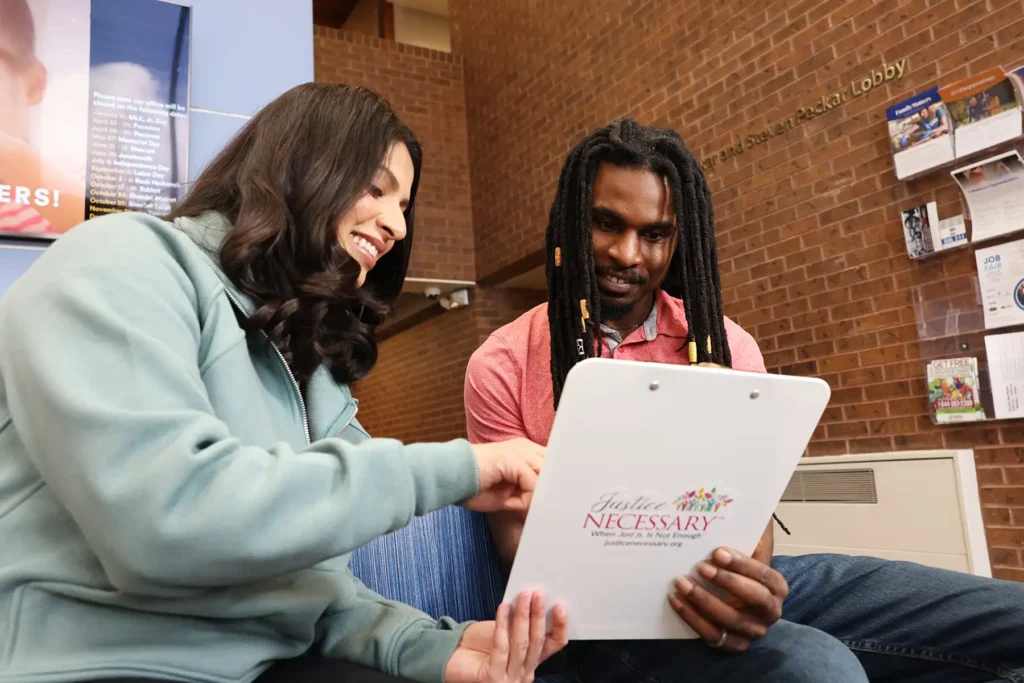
x=332 y=13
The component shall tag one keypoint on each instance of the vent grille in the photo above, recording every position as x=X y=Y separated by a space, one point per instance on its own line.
x=832 y=486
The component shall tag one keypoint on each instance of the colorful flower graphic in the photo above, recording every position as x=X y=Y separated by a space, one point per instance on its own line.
x=702 y=501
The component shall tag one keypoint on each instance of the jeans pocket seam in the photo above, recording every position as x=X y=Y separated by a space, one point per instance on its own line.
x=874 y=647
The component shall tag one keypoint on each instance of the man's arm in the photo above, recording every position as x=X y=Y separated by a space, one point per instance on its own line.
x=493 y=413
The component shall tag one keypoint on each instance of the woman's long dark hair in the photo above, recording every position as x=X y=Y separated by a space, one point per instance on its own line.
x=283 y=183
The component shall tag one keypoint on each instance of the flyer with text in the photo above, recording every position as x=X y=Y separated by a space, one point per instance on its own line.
x=1001 y=279
x=994 y=191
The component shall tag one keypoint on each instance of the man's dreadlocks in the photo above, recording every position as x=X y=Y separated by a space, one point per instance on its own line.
x=574 y=303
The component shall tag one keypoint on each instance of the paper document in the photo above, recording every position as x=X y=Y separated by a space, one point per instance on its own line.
x=994 y=190
x=1001 y=279
x=1006 y=373
x=649 y=468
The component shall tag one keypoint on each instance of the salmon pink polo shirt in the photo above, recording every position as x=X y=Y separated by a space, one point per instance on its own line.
x=508 y=390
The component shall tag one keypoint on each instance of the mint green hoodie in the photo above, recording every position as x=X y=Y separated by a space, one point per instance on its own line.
x=170 y=506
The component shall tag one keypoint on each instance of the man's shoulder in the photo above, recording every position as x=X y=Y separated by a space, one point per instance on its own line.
x=746 y=354
x=737 y=333
x=517 y=336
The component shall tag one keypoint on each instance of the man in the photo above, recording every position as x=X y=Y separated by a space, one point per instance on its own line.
x=23 y=172
x=632 y=273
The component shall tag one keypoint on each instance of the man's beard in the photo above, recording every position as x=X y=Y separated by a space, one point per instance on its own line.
x=613 y=309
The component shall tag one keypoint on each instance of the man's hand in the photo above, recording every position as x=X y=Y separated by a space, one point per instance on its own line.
x=755 y=590
x=508 y=475
x=509 y=649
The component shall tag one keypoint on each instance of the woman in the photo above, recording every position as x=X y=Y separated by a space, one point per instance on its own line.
x=182 y=476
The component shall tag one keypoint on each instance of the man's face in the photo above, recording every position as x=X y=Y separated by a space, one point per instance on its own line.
x=634 y=231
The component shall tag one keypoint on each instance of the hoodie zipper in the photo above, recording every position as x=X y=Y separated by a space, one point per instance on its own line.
x=291 y=375
x=347 y=422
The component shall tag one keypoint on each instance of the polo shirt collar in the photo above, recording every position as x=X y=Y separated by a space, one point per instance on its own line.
x=664 y=319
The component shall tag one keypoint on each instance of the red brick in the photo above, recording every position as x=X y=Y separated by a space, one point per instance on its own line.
x=999 y=456
x=866 y=411
x=872 y=445
x=991 y=476
x=1003 y=537
x=918 y=442
x=818 y=448
x=1008 y=573
x=1003 y=557
x=426 y=90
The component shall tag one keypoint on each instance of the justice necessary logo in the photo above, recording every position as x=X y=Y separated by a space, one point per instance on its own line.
x=623 y=519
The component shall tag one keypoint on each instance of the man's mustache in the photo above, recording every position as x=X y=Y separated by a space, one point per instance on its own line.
x=630 y=275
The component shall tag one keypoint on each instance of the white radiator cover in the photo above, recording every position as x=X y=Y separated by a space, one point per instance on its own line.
x=925 y=509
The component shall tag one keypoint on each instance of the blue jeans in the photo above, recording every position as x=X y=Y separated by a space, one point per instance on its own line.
x=846 y=620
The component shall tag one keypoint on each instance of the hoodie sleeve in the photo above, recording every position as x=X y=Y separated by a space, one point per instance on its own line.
x=365 y=628
x=99 y=365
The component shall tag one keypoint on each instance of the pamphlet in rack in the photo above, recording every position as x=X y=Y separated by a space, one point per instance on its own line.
x=1006 y=370
x=920 y=133
x=994 y=191
x=953 y=390
x=925 y=234
x=984 y=110
x=1001 y=279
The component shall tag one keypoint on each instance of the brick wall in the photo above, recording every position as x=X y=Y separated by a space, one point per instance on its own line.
x=415 y=392
x=812 y=254
x=425 y=88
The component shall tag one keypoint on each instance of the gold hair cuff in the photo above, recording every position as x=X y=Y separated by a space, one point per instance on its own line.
x=558 y=256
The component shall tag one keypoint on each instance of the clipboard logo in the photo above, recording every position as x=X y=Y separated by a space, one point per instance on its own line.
x=700 y=500
x=621 y=519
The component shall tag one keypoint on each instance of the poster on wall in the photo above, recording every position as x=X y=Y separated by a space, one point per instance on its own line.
x=93 y=113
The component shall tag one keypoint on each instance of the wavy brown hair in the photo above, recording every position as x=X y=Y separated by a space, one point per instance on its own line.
x=283 y=183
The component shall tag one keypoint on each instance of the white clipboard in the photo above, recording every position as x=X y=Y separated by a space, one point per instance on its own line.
x=649 y=468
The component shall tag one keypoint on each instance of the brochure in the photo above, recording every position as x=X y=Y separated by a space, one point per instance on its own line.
x=953 y=390
x=919 y=133
x=1001 y=279
x=984 y=110
x=1006 y=370
x=994 y=191
x=925 y=234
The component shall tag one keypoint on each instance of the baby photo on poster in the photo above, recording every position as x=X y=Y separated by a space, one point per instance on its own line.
x=44 y=95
